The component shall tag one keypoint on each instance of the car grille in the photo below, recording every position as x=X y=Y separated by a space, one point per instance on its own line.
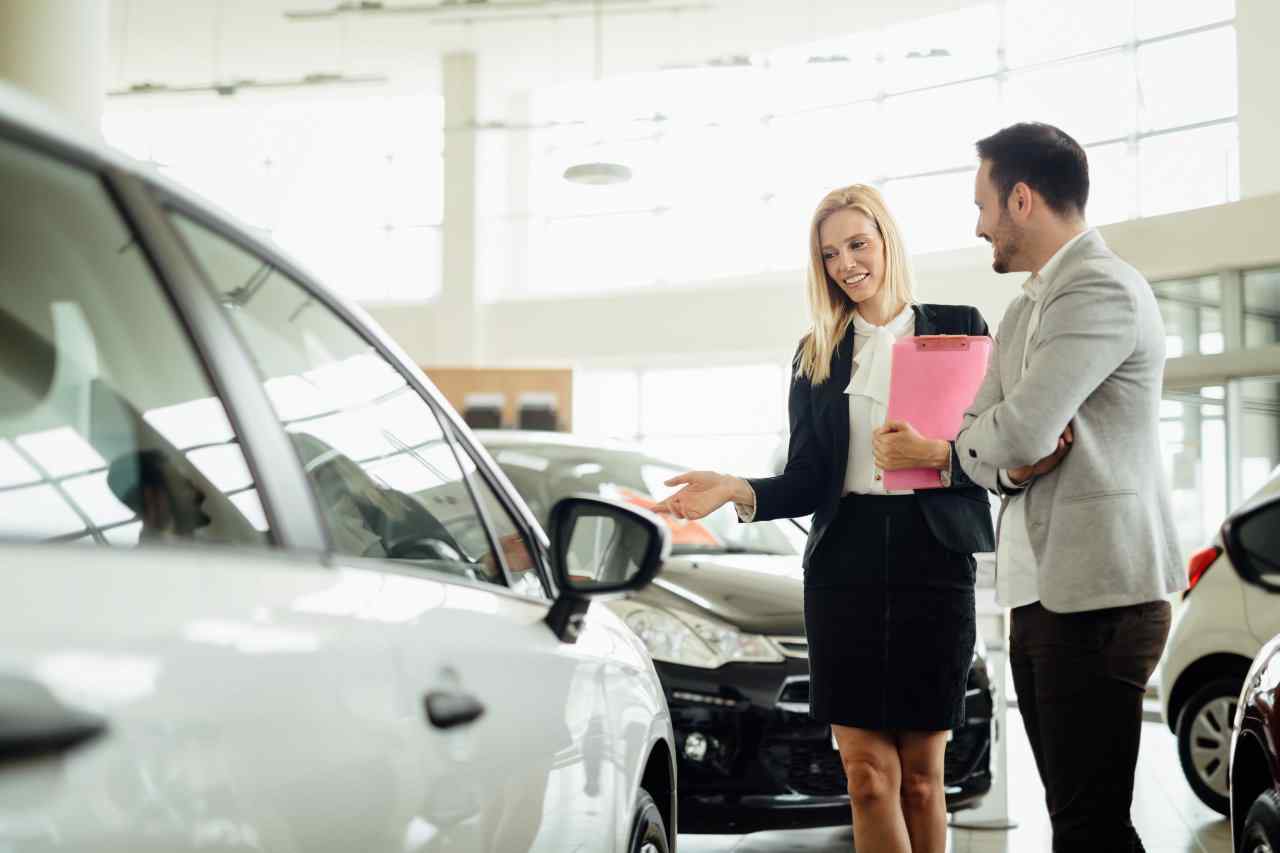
x=809 y=767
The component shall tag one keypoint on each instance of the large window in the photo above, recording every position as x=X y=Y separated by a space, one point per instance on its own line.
x=352 y=187
x=1221 y=438
x=730 y=418
x=730 y=161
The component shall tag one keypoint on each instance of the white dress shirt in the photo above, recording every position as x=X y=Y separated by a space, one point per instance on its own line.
x=868 y=393
x=1016 y=582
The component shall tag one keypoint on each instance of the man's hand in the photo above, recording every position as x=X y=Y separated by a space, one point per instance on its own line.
x=1045 y=465
x=897 y=445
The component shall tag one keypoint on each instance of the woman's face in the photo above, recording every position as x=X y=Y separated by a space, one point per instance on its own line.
x=853 y=253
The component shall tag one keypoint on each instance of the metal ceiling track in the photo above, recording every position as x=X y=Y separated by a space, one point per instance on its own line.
x=482 y=11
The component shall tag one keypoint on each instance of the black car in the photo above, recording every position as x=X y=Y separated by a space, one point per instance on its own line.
x=724 y=624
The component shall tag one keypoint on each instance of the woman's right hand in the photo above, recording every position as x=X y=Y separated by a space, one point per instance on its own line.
x=704 y=492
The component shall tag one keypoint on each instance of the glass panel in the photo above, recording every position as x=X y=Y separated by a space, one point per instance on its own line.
x=1259 y=433
x=693 y=401
x=606 y=403
x=1160 y=17
x=1192 y=312
x=941 y=124
x=1187 y=80
x=100 y=390
x=1041 y=30
x=352 y=185
x=385 y=477
x=1052 y=94
x=941 y=48
x=1113 y=183
x=1190 y=169
x=1193 y=436
x=935 y=212
x=1261 y=307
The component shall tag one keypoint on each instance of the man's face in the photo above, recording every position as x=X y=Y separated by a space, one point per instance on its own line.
x=995 y=225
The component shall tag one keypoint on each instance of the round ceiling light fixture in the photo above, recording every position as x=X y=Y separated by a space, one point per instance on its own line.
x=597 y=174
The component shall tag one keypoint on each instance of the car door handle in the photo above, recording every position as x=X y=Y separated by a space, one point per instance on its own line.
x=33 y=722
x=449 y=708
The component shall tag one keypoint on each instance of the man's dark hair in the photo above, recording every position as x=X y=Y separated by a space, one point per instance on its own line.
x=1042 y=157
x=131 y=472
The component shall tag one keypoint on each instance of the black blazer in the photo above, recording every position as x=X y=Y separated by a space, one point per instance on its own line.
x=812 y=482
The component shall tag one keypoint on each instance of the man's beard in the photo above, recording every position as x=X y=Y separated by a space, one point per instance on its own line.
x=1004 y=245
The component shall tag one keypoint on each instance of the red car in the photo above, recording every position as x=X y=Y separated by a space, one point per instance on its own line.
x=1252 y=539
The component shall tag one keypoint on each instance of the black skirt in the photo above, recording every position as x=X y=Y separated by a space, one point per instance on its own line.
x=889 y=613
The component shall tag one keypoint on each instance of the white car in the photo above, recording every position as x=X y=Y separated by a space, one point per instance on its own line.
x=1220 y=626
x=259 y=587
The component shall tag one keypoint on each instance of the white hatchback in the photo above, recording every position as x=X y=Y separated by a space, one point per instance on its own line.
x=280 y=600
x=1220 y=626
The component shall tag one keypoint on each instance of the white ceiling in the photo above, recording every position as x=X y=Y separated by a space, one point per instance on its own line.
x=199 y=41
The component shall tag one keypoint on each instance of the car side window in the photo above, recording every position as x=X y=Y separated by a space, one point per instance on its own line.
x=110 y=430
x=383 y=472
x=516 y=552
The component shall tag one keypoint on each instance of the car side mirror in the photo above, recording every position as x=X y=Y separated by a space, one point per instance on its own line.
x=1252 y=540
x=598 y=548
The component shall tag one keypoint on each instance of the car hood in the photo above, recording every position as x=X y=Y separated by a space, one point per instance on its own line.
x=756 y=593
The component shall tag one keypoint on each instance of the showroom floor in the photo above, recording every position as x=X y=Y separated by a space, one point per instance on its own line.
x=1169 y=817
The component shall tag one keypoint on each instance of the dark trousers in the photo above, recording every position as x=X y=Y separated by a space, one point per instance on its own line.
x=1080 y=679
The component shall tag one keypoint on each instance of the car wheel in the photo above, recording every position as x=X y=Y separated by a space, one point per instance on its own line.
x=1262 y=825
x=648 y=832
x=1204 y=741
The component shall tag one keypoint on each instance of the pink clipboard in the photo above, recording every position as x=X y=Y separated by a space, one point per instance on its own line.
x=933 y=382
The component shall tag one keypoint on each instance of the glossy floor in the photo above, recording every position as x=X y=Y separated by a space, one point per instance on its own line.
x=1169 y=817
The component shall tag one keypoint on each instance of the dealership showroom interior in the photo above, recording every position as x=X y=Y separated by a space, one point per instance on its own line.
x=711 y=314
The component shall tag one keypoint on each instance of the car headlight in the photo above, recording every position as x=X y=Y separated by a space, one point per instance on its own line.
x=675 y=636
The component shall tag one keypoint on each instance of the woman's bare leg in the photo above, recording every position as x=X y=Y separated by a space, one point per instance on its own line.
x=874 y=775
x=924 y=803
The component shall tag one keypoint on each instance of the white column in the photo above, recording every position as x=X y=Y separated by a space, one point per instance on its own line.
x=458 y=321
x=1258 y=25
x=57 y=51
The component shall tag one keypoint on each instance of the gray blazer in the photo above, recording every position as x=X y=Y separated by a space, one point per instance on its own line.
x=1101 y=523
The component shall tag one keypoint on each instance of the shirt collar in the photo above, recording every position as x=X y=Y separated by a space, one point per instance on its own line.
x=1038 y=283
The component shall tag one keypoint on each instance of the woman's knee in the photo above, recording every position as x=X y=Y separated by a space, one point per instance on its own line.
x=870 y=781
x=921 y=791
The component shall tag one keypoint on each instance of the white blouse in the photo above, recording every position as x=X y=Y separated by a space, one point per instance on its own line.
x=868 y=393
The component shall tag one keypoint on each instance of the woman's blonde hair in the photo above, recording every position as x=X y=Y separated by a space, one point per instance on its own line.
x=829 y=307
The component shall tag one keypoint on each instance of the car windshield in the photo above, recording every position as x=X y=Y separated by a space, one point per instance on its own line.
x=546 y=473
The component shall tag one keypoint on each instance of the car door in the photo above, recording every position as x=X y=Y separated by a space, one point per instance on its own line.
x=1262 y=606
x=517 y=725
x=167 y=680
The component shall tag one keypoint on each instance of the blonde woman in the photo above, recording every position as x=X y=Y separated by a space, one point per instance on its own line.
x=889 y=604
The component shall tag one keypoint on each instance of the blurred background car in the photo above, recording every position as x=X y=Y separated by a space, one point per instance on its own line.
x=1251 y=536
x=725 y=626
x=1220 y=625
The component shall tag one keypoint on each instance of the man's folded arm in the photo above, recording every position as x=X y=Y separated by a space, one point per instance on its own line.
x=1086 y=332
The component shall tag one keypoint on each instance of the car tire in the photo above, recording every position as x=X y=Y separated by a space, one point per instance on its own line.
x=648 y=831
x=1262 y=825
x=1204 y=741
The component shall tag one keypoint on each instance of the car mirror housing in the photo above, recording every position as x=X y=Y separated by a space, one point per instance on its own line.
x=1252 y=541
x=599 y=547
